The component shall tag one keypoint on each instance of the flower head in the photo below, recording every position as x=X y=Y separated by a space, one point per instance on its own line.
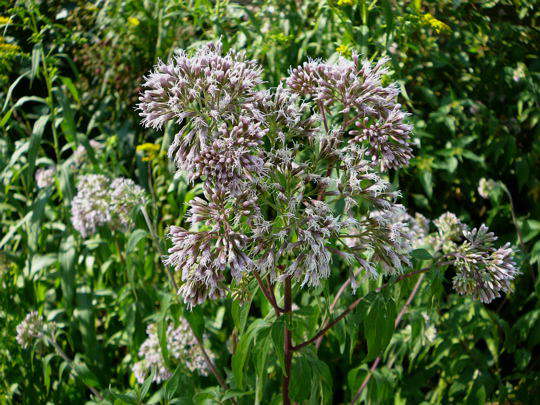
x=45 y=177
x=482 y=270
x=485 y=187
x=356 y=88
x=149 y=151
x=205 y=88
x=133 y=21
x=182 y=347
x=30 y=328
x=100 y=201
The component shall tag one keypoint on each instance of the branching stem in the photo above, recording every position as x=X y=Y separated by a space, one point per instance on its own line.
x=71 y=364
x=352 y=306
x=396 y=323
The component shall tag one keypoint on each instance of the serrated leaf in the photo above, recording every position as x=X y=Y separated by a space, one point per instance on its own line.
x=379 y=325
x=277 y=332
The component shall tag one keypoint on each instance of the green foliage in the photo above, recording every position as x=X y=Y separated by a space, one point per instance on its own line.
x=470 y=74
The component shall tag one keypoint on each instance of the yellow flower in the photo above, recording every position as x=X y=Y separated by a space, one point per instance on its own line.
x=437 y=25
x=345 y=2
x=149 y=150
x=133 y=21
x=4 y=20
x=343 y=50
x=8 y=48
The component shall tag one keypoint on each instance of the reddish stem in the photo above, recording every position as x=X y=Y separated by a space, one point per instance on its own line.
x=287 y=343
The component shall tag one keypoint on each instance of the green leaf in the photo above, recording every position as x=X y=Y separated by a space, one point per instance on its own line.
x=71 y=87
x=301 y=373
x=68 y=125
x=421 y=254
x=47 y=370
x=242 y=349
x=147 y=382
x=85 y=374
x=427 y=182
x=67 y=257
x=262 y=348
x=277 y=331
x=379 y=325
x=240 y=312
x=35 y=141
x=12 y=87
x=134 y=238
x=40 y=262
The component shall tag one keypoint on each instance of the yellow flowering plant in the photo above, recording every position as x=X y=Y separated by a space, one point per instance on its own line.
x=150 y=151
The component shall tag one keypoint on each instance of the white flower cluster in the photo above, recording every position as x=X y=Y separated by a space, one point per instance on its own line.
x=45 y=177
x=100 y=201
x=181 y=345
x=31 y=328
x=485 y=187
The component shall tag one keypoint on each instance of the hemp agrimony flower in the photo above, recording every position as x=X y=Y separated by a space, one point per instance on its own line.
x=100 y=201
x=293 y=178
x=483 y=271
x=45 y=177
x=181 y=345
x=30 y=329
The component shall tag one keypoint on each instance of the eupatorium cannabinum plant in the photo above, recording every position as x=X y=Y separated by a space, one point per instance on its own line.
x=295 y=184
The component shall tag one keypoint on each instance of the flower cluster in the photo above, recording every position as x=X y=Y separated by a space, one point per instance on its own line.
x=293 y=177
x=485 y=187
x=482 y=270
x=100 y=201
x=31 y=328
x=80 y=155
x=181 y=345
x=45 y=177
x=355 y=87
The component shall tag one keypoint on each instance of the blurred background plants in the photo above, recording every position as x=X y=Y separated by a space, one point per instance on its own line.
x=70 y=73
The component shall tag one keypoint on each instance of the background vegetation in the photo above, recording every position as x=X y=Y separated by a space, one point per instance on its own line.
x=70 y=73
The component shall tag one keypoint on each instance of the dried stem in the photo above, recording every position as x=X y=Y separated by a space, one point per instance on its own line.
x=396 y=323
x=287 y=342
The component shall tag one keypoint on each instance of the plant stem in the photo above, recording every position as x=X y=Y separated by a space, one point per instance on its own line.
x=333 y=305
x=516 y=225
x=70 y=362
x=287 y=342
x=209 y=362
x=396 y=323
x=269 y=295
x=352 y=306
